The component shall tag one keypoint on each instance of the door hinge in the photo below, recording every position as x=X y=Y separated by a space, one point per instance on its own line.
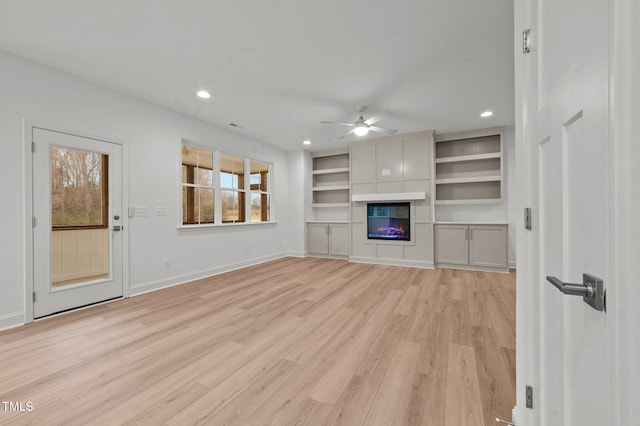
x=525 y=41
x=33 y=222
x=527 y=218
x=34 y=297
x=529 y=396
x=33 y=147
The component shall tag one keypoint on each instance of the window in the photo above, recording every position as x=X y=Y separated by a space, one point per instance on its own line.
x=197 y=186
x=232 y=188
x=216 y=182
x=260 y=196
x=79 y=189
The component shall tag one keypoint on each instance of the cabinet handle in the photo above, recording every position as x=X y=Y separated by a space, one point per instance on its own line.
x=470 y=234
x=466 y=234
x=328 y=231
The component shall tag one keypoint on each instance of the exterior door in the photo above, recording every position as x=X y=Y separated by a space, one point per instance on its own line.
x=77 y=205
x=563 y=343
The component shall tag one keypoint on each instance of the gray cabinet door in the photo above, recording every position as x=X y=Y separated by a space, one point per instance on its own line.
x=451 y=244
x=339 y=240
x=318 y=238
x=488 y=246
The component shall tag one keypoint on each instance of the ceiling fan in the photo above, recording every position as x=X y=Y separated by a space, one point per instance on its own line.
x=362 y=127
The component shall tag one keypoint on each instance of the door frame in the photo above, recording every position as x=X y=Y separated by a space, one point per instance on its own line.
x=624 y=232
x=27 y=136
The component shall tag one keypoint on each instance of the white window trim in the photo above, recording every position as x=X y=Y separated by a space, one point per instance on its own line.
x=217 y=201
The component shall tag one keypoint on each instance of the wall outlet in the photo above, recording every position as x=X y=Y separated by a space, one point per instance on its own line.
x=166 y=263
x=161 y=211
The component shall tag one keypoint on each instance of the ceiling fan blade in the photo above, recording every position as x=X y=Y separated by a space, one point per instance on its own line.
x=335 y=122
x=383 y=130
x=347 y=134
x=376 y=118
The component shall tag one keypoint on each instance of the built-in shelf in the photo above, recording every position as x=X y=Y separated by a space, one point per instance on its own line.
x=330 y=176
x=331 y=188
x=469 y=179
x=461 y=158
x=468 y=167
x=329 y=171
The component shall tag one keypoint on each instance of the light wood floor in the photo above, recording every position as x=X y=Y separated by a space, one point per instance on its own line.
x=293 y=341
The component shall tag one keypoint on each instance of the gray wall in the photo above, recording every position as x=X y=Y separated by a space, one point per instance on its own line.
x=153 y=137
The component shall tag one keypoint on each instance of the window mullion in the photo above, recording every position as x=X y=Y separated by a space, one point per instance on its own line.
x=247 y=190
x=217 y=196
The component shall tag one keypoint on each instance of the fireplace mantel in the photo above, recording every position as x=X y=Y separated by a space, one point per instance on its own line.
x=390 y=196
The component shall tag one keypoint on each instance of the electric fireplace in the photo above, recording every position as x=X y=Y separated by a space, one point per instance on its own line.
x=388 y=221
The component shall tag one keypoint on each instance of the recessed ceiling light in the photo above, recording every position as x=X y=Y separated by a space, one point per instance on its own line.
x=307 y=142
x=204 y=94
x=486 y=114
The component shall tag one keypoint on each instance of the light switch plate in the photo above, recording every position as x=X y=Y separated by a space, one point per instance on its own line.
x=140 y=211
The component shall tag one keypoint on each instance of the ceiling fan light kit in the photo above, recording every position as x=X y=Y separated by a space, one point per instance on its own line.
x=361 y=130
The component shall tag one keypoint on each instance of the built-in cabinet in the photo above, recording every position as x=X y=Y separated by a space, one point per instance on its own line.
x=471 y=246
x=468 y=167
x=328 y=239
x=393 y=169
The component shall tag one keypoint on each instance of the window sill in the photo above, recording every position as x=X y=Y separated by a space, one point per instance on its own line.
x=224 y=225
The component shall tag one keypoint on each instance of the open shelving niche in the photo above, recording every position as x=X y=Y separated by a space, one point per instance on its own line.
x=468 y=167
x=330 y=173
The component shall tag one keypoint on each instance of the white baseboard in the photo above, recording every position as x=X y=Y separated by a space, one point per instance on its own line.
x=297 y=254
x=515 y=417
x=139 y=289
x=512 y=265
x=392 y=262
x=15 y=319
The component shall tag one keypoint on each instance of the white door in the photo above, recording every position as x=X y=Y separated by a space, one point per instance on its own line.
x=563 y=350
x=77 y=205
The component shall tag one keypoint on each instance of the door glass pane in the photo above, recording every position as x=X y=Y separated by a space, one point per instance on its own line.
x=79 y=216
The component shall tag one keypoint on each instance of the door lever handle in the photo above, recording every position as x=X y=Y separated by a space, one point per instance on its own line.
x=574 y=289
x=591 y=290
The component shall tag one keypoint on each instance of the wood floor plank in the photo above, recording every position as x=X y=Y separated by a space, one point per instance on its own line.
x=392 y=400
x=353 y=405
x=427 y=400
x=463 y=404
x=493 y=377
x=293 y=341
x=333 y=383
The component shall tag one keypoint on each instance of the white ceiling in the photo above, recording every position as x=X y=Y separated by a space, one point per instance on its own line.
x=279 y=67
